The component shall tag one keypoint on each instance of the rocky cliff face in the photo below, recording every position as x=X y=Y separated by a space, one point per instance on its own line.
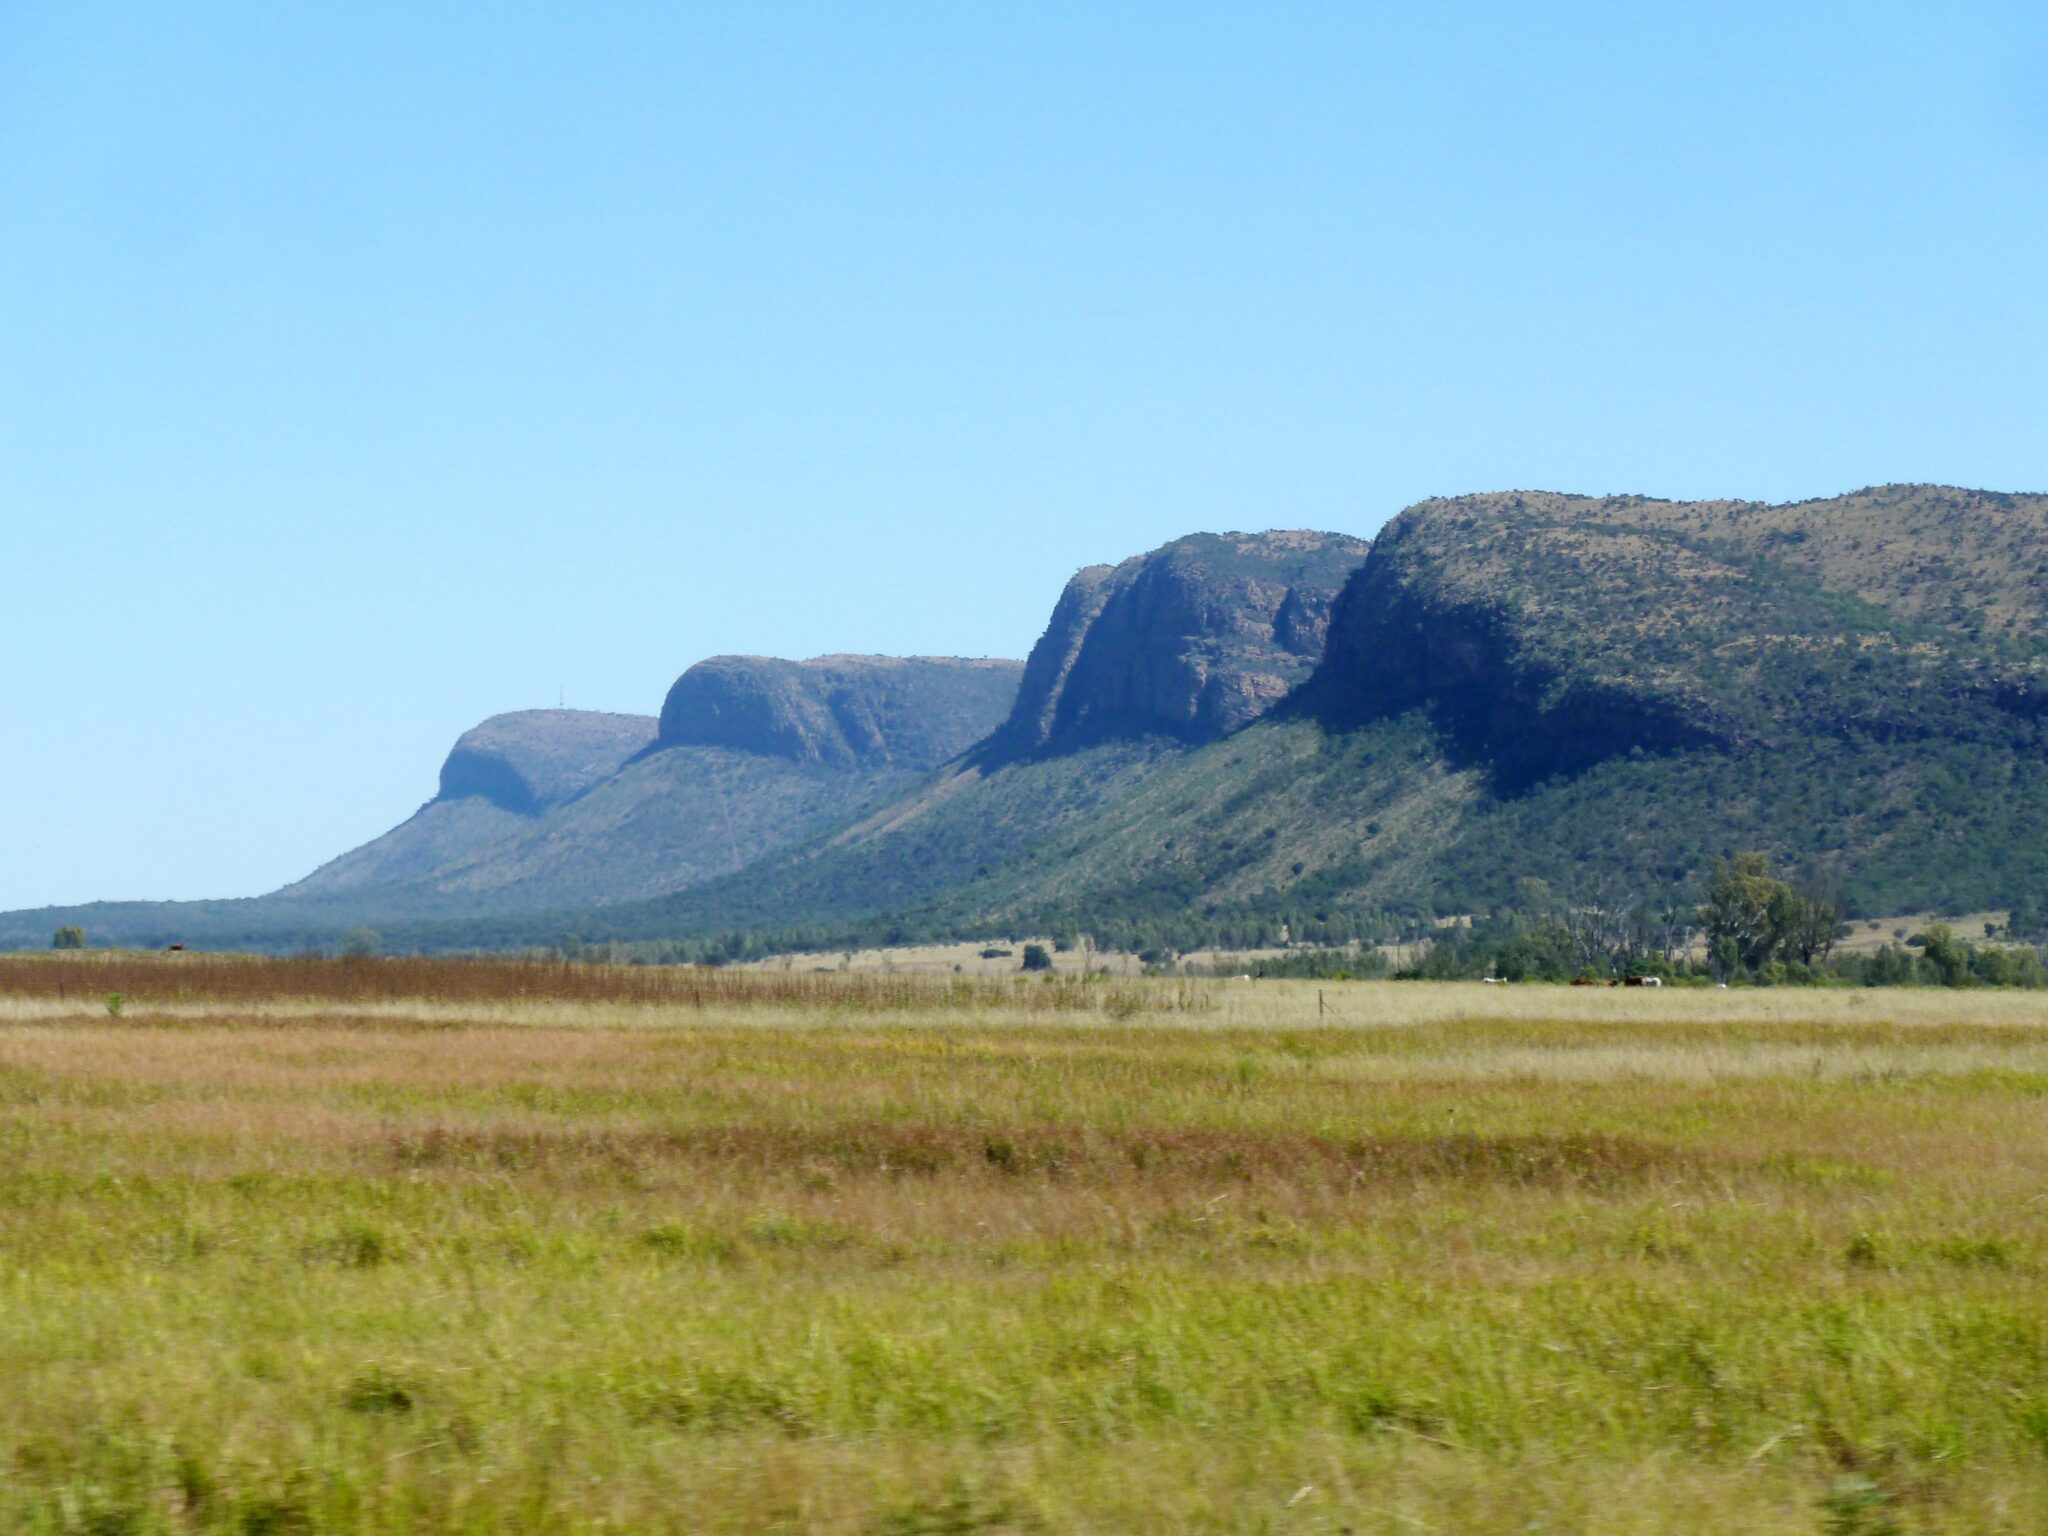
x=536 y=758
x=1193 y=640
x=841 y=711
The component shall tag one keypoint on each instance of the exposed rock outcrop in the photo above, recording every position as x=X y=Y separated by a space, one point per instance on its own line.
x=1193 y=640
x=910 y=712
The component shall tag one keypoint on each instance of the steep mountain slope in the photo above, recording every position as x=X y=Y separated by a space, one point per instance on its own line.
x=1549 y=633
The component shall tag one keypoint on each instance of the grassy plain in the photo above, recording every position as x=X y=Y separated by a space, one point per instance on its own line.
x=401 y=1247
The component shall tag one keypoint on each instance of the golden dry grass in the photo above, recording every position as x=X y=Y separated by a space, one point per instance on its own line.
x=1452 y=1258
x=1867 y=935
x=210 y=979
x=968 y=959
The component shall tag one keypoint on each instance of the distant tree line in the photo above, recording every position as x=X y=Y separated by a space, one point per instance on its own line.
x=1752 y=928
x=1748 y=925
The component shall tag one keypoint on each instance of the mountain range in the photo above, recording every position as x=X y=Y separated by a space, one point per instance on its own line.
x=1242 y=736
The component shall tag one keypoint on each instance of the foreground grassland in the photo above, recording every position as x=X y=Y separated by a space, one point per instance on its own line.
x=378 y=1249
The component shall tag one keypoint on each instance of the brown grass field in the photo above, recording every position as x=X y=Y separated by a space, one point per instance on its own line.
x=450 y=1246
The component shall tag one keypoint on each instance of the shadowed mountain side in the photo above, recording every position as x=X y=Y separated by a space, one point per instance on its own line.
x=1193 y=641
x=904 y=712
x=1289 y=823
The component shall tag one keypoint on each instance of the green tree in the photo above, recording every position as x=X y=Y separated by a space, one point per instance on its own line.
x=1036 y=958
x=1809 y=919
x=2005 y=967
x=1754 y=919
x=1749 y=908
x=360 y=942
x=1947 y=954
x=1891 y=966
x=68 y=937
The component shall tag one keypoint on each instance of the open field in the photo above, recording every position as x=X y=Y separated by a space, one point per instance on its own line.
x=974 y=959
x=395 y=1246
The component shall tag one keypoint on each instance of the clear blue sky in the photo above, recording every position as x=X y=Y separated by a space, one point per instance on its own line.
x=368 y=369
